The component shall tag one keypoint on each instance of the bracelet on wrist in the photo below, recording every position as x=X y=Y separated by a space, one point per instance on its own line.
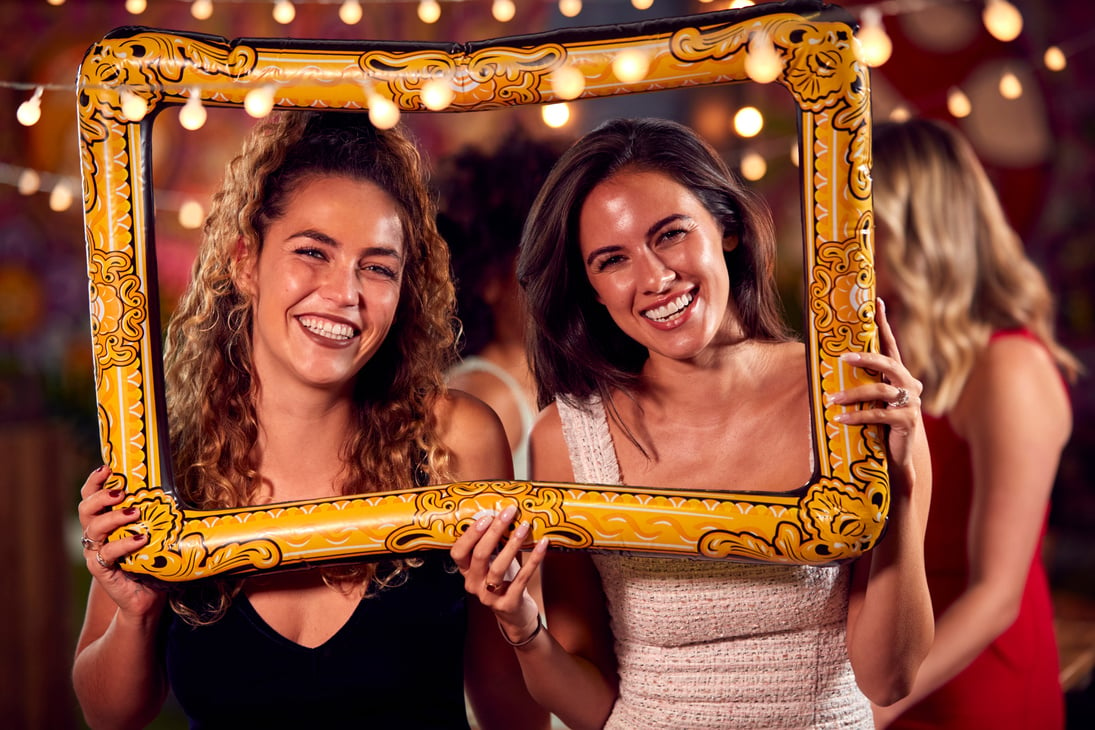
x=528 y=639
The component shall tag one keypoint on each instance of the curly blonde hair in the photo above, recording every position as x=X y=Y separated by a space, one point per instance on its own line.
x=393 y=441
x=957 y=269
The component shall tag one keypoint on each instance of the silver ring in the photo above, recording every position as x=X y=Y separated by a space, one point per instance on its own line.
x=88 y=543
x=100 y=561
x=902 y=399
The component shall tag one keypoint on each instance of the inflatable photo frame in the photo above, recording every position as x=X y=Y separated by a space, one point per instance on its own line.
x=837 y=516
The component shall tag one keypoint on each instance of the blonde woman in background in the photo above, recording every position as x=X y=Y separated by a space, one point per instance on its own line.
x=974 y=318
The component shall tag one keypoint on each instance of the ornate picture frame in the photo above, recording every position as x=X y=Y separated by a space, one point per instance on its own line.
x=837 y=516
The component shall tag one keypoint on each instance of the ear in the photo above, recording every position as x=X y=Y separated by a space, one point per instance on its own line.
x=244 y=263
x=729 y=243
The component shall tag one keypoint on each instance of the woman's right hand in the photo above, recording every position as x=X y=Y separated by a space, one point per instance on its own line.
x=495 y=576
x=99 y=519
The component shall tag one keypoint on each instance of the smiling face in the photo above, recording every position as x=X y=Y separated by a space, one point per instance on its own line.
x=326 y=285
x=654 y=256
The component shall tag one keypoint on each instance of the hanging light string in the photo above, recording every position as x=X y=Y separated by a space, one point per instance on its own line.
x=763 y=65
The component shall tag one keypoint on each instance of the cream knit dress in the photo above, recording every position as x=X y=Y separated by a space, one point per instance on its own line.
x=714 y=644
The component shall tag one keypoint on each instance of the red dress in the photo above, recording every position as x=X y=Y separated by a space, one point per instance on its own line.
x=1014 y=683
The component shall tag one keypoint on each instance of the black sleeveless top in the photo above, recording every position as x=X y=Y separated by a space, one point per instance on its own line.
x=397 y=663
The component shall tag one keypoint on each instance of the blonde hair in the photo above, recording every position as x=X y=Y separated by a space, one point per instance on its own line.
x=958 y=270
x=393 y=441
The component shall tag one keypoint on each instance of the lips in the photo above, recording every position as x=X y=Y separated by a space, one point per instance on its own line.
x=338 y=331
x=670 y=310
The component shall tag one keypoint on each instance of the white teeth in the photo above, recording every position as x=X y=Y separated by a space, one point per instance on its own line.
x=332 y=330
x=666 y=311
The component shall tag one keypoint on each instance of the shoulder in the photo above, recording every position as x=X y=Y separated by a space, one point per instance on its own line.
x=548 y=456
x=474 y=434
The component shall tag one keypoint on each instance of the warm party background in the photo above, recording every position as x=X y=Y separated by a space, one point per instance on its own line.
x=1036 y=137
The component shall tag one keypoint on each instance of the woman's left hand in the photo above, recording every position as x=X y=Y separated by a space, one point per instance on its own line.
x=897 y=394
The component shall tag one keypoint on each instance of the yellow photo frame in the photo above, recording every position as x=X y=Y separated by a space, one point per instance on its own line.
x=839 y=515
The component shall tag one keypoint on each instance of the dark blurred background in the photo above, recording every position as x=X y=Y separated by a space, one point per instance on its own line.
x=1038 y=148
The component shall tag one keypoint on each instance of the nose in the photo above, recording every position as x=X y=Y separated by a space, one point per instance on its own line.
x=342 y=285
x=656 y=275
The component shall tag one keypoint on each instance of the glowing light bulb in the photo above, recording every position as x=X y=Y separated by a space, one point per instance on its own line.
x=568 y=82
x=874 y=43
x=794 y=154
x=642 y=4
x=763 y=63
x=284 y=11
x=437 y=94
x=748 y=121
x=133 y=107
x=503 y=10
x=60 y=198
x=202 y=9
x=741 y=4
x=1054 y=59
x=958 y=104
x=1002 y=20
x=555 y=115
x=630 y=66
x=56 y=2
x=136 y=7
x=192 y=116
x=1010 y=86
x=429 y=11
x=570 y=8
x=900 y=114
x=350 y=12
x=29 y=182
x=191 y=214
x=383 y=113
x=259 y=102
x=30 y=111
x=753 y=166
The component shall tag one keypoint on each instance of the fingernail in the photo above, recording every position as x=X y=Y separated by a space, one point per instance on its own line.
x=522 y=529
x=140 y=538
x=851 y=357
x=833 y=398
x=115 y=493
x=882 y=304
x=483 y=523
x=129 y=511
x=99 y=468
x=840 y=417
x=542 y=545
x=509 y=513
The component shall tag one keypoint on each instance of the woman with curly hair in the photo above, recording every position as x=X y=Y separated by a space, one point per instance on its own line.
x=305 y=360
x=662 y=359
x=975 y=318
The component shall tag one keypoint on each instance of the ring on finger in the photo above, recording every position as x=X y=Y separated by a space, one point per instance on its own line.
x=101 y=561
x=901 y=400
x=88 y=543
x=493 y=587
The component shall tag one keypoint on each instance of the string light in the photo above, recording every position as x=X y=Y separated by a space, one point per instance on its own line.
x=503 y=10
x=794 y=153
x=570 y=8
x=740 y=4
x=1010 y=86
x=192 y=116
x=642 y=4
x=958 y=104
x=753 y=166
x=762 y=63
x=900 y=114
x=29 y=182
x=202 y=9
x=30 y=111
x=191 y=214
x=1054 y=59
x=383 y=113
x=1002 y=19
x=630 y=66
x=874 y=43
x=429 y=11
x=284 y=11
x=133 y=107
x=349 y=12
x=555 y=115
x=748 y=121
x=259 y=102
x=56 y=2
x=60 y=198
x=136 y=7
x=437 y=94
x=568 y=82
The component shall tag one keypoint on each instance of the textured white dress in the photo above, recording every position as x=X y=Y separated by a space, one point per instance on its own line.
x=714 y=644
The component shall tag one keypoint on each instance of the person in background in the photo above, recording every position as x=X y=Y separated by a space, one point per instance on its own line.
x=485 y=197
x=305 y=361
x=975 y=320
x=662 y=357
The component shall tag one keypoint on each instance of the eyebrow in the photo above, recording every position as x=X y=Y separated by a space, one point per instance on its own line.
x=321 y=237
x=649 y=232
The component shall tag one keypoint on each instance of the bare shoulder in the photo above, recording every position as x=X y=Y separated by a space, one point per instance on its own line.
x=549 y=459
x=474 y=435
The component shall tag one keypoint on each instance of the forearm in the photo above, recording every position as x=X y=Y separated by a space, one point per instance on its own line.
x=118 y=677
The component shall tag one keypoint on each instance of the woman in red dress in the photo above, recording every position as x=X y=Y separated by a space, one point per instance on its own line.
x=974 y=318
